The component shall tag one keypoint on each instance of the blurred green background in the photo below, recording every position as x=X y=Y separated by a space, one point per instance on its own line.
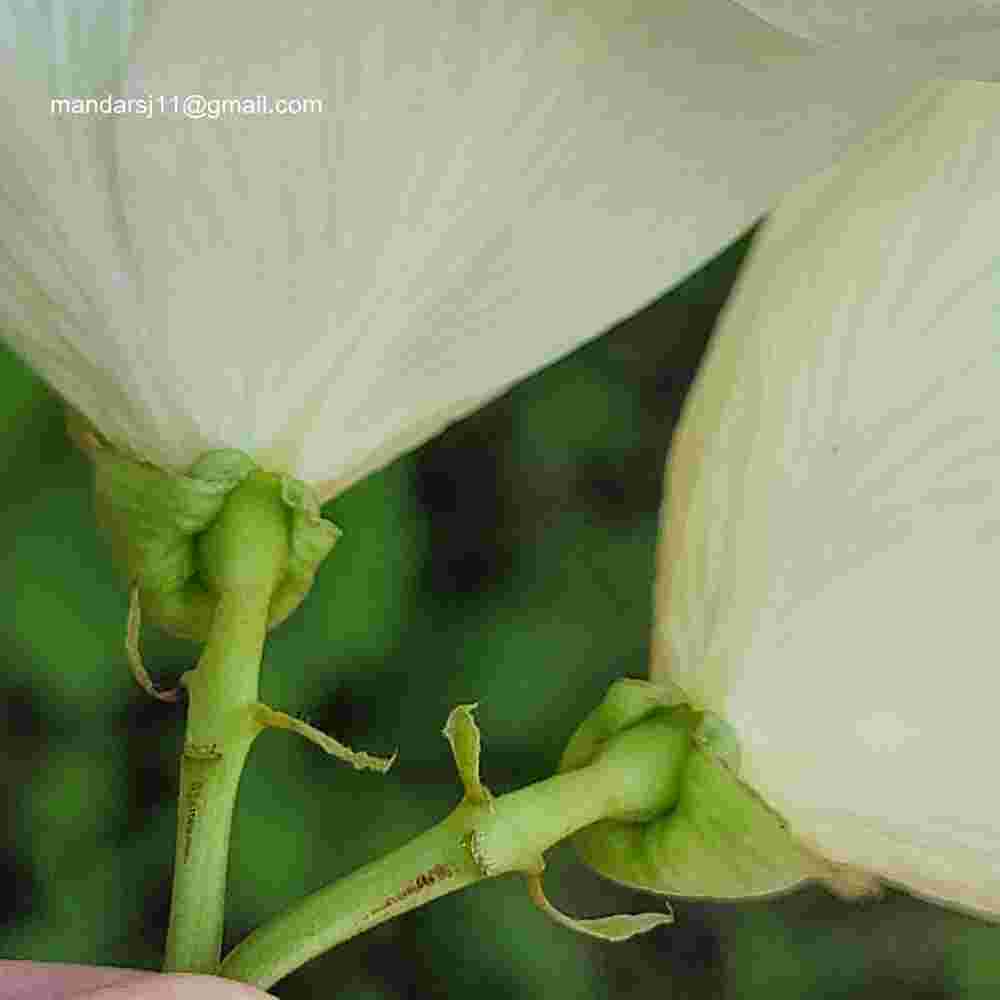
x=508 y=561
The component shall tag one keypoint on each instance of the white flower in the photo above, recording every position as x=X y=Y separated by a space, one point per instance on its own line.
x=831 y=541
x=488 y=185
x=958 y=38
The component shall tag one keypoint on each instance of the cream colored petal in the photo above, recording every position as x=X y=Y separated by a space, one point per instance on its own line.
x=72 y=46
x=831 y=539
x=487 y=186
x=64 y=270
x=953 y=38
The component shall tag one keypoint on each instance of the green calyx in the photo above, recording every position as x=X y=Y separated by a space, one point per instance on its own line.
x=717 y=839
x=160 y=526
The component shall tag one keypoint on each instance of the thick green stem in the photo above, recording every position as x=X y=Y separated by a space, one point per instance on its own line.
x=220 y=732
x=637 y=775
x=243 y=555
x=434 y=864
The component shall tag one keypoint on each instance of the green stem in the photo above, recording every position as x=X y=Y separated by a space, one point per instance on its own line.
x=242 y=556
x=220 y=732
x=435 y=863
x=638 y=774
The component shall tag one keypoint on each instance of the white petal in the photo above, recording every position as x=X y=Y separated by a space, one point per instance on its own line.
x=828 y=570
x=73 y=46
x=488 y=186
x=953 y=38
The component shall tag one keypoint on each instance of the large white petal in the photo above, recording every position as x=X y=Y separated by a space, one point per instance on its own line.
x=489 y=185
x=831 y=538
x=954 y=38
x=73 y=46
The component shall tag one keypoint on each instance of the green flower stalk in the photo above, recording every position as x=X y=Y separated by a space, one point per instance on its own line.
x=242 y=557
x=223 y=553
x=632 y=776
x=218 y=555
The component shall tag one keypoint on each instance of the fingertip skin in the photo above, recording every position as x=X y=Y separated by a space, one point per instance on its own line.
x=22 y=980
x=176 y=986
